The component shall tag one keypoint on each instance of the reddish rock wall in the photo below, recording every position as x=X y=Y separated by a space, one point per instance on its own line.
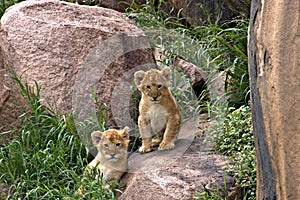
x=274 y=60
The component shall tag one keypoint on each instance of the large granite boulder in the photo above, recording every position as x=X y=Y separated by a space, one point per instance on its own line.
x=77 y=54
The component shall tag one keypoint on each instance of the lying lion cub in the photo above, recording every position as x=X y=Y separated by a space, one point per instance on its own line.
x=111 y=160
x=159 y=112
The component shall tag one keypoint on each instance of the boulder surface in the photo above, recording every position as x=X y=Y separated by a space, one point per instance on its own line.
x=77 y=54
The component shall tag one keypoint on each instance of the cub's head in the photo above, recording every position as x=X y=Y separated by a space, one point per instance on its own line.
x=153 y=83
x=111 y=144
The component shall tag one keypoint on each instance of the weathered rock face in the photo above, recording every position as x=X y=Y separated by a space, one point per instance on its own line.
x=72 y=51
x=274 y=60
x=10 y=107
x=179 y=173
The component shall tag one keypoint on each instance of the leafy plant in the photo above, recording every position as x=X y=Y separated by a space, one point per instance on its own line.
x=233 y=136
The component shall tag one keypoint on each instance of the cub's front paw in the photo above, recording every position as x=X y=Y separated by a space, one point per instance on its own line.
x=166 y=146
x=144 y=149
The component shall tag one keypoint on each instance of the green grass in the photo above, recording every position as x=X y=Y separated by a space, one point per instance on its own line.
x=46 y=159
x=226 y=45
x=232 y=135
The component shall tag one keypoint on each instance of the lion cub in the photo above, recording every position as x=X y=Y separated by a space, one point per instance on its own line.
x=159 y=112
x=111 y=159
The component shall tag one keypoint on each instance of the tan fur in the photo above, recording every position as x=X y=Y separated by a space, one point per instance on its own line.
x=111 y=159
x=159 y=113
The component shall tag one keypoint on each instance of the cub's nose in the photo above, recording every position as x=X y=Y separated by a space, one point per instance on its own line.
x=154 y=98
x=112 y=154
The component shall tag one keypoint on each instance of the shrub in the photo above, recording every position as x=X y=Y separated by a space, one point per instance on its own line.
x=233 y=136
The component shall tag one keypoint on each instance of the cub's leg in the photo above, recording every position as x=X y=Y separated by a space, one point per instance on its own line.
x=145 y=131
x=171 y=132
x=156 y=140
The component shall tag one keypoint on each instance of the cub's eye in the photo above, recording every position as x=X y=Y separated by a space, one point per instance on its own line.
x=148 y=87
x=105 y=145
x=118 y=144
x=159 y=86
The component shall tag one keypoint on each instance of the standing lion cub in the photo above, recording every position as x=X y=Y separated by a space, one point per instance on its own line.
x=159 y=113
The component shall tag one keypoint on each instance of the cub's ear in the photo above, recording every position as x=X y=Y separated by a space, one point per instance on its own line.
x=139 y=77
x=124 y=133
x=167 y=74
x=96 y=137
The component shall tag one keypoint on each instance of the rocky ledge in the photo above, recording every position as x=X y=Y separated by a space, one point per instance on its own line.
x=181 y=173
